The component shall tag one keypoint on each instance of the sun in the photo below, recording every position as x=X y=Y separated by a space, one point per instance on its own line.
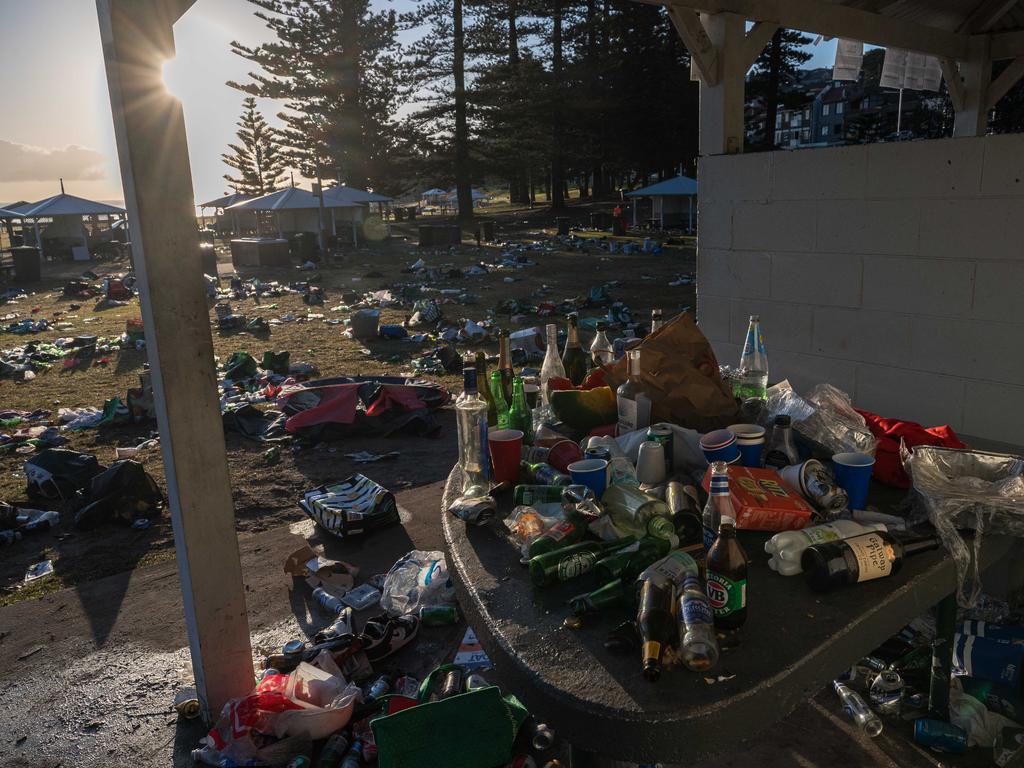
x=170 y=74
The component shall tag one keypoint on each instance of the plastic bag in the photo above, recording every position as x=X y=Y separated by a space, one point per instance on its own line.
x=417 y=579
x=283 y=715
x=973 y=490
x=825 y=416
x=982 y=726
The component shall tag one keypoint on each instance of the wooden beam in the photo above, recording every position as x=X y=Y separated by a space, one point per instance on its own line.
x=955 y=86
x=986 y=14
x=755 y=41
x=1006 y=45
x=976 y=71
x=721 y=104
x=1006 y=80
x=837 y=21
x=702 y=52
x=149 y=127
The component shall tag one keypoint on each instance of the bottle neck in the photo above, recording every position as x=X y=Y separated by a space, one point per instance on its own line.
x=504 y=359
x=923 y=544
x=469 y=380
x=574 y=336
x=634 y=368
x=720 y=485
x=552 y=332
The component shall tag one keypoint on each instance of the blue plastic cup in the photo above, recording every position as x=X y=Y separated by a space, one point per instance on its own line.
x=750 y=441
x=592 y=473
x=853 y=474
x=720 y=445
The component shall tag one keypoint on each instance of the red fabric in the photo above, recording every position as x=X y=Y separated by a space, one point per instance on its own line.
x=394 y=394
x=337 y=403
x=888 y=466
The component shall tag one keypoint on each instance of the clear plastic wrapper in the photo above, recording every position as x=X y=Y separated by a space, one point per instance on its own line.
x=825 y=416
x=968 y=490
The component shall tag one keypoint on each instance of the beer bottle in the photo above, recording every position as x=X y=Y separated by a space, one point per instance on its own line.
x=727 y=578
x=500 y=403
x=613 y=593
x=484 y=390
x=557 y=536
x=505 y=364
x=719 y=504
x=656 y=622
x=574 y=358
x=569 y=562
x=698 y=646
x=519 y=415
x=629 y=562
x=866 y=557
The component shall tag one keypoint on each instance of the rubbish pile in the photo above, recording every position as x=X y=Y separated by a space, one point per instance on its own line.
x=652 y=478
x=343 y=698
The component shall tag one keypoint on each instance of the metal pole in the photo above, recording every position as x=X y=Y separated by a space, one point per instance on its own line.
x=899 y=113
x=942 y=658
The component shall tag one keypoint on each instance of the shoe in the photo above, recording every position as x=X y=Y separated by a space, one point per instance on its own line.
x=383 y=635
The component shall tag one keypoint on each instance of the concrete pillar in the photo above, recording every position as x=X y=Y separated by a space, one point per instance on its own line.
x=721 y=104
x=153 y=152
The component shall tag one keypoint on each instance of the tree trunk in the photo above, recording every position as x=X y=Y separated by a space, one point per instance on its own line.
x=584 y=188
x=772 y=105
x=547 y=185
x=517 y=186
x=463 y=188
x=349 y=150
x=558 y=117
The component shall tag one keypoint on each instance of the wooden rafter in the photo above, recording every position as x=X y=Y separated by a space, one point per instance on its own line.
x=1006 y=80
x=1007 y=45
x=702 y=52
x=986 y=14
x=756 y=39
x=954 y=83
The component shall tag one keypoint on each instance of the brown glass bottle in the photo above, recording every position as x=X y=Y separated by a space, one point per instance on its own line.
x=505 y=364
x=727 y=578
x=574 y=358
x=656 y=622
x=869 y=556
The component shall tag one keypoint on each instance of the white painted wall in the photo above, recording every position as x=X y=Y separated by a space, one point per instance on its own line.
x=894 y=271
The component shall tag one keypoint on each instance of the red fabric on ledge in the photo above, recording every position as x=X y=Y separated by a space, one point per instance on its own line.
x=888 y=467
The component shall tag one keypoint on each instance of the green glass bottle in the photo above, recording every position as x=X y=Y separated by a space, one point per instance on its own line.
x=519 y=415
x=484 y=390
x=558 y=536
x=574 y=358
x=569 y=562
x=500 y=404
x=628 y=563
x=614 y=593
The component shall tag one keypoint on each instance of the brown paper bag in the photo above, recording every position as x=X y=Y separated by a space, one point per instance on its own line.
x=680 y=375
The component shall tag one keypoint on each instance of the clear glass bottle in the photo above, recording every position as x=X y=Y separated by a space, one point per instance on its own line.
x=552 y=367
x=753 y=381
x=855 y=705
x=471 y=418
x=484 y=390
x=781 y=449
x=719 y=503
x=657 y=319
x=601 y=350
x=698 y=644
x=634 y=406
x=574 y=359
x=500 y=403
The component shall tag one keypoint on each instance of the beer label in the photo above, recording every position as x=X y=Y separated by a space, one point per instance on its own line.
x=576 y=564
x=820 y=534
x=696 y=610
x=872 y=555
x=627 y=415
x=725 y=595
x=560 y=531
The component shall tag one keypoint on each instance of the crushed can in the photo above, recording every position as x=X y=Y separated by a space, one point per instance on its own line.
x=439 y=615
x=940 y=736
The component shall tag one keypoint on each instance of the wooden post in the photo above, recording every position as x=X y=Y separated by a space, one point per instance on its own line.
x=721 y=100
x=976 y=71
x=153 y=152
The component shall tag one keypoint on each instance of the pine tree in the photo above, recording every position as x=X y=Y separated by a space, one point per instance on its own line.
x=775 y=70
x=257 y=157
x=335 y=65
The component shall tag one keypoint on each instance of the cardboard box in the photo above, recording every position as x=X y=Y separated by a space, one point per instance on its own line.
x=764 y=501
x=335 y=576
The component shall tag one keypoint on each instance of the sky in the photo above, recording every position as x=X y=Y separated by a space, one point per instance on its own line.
x=56 y=121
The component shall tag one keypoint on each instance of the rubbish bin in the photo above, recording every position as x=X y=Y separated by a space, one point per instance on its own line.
x=487 y=231
x=208 y=258
x=427 y=238
x=563 y=224
x=28 y=266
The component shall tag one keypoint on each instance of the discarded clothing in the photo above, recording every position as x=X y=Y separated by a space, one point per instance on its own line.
x=254 y=424
x=121 y=493
x=888 y=465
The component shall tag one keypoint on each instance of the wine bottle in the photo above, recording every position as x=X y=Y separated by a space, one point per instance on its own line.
x=574 y=358
x=866 y=557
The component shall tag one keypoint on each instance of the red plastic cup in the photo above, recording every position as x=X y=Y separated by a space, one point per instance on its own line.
x=506 y=452
x=563 y=453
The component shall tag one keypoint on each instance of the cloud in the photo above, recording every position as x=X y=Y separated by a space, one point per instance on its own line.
x=21 y=162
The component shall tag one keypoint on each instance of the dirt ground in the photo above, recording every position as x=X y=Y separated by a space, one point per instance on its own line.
x=265 y=496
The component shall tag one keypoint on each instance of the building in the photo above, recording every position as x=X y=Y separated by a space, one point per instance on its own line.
x=793 y=128
x=828 y=114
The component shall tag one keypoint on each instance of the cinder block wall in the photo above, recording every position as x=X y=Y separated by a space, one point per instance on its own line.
x=894 y=271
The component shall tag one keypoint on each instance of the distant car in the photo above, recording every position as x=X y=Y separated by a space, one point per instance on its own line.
x=901 y=136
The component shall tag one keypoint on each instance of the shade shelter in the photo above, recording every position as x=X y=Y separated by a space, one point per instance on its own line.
x=222 y=203
x=359 y=196
x=300 y=209
x=856 y=297
x=435 y=196
x=63 y=216
x=672 y=201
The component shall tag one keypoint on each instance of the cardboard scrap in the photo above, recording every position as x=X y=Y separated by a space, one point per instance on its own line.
x=335 y=576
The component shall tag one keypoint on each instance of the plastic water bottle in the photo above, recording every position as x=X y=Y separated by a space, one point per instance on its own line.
x=786 y=547
x=471 y=418
x=699 y=647
x=753 y=382
x=862 y=714
x=327 y=601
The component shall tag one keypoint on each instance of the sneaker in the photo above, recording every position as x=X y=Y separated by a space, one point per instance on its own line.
x=383 y=635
